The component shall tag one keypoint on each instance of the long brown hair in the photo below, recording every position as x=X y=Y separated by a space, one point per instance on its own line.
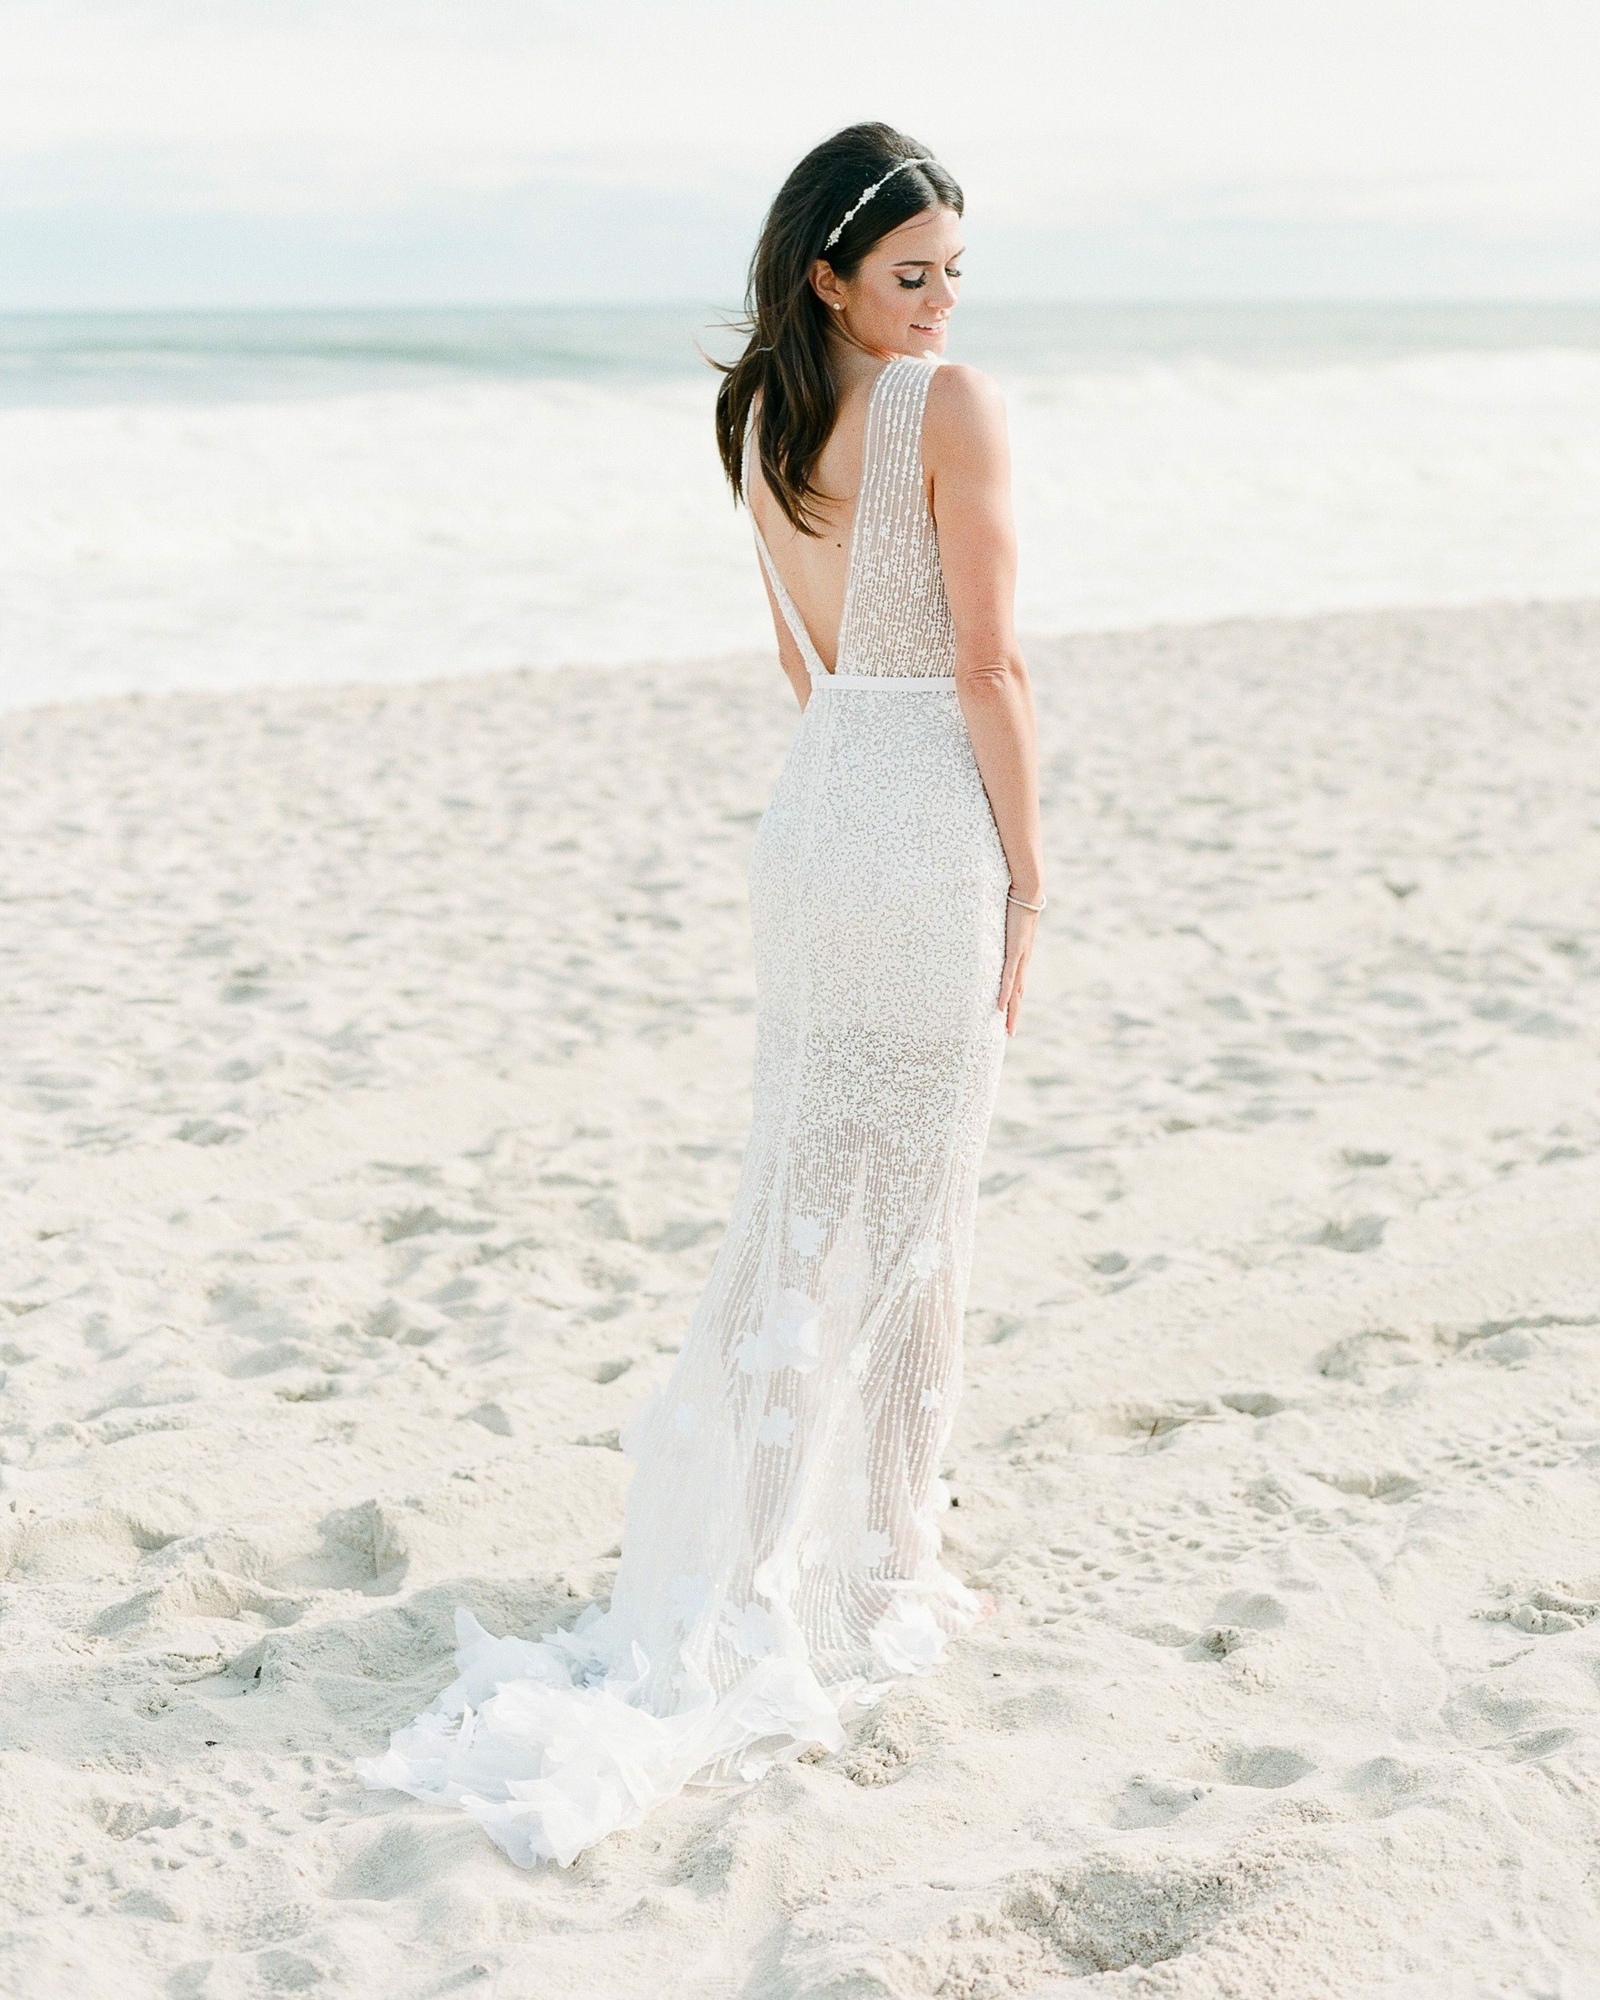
x=785 y=360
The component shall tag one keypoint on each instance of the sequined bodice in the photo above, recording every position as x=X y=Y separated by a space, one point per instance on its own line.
x=896 y=620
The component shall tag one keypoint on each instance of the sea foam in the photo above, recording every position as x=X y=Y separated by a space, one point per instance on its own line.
x=457 y=526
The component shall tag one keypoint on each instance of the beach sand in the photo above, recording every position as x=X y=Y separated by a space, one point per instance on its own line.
x=374 y=1067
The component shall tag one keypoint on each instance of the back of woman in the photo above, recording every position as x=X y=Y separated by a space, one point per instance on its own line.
x=781 y=1553
x=886 y=597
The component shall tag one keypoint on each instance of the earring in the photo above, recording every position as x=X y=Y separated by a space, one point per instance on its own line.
x=838 y=308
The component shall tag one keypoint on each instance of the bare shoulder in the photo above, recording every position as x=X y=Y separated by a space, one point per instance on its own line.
x=966 y=415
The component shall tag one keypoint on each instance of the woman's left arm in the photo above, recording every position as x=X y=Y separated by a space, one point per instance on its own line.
x=969 y=463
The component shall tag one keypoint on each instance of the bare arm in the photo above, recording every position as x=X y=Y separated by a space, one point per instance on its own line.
x=969 y=462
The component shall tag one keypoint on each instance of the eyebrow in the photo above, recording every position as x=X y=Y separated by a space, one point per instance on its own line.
x=925 y=263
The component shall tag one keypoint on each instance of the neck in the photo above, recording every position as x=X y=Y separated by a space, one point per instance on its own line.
x=851 y=361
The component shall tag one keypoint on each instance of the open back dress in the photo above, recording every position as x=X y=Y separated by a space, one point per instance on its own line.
x=780 y=1555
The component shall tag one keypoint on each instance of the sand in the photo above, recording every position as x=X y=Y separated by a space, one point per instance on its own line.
x=374 y=1073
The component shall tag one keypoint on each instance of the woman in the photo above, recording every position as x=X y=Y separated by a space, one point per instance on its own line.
x=780 y=1560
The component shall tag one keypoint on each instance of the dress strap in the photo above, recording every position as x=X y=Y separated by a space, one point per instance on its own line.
x=895 y=588
x=791 y=617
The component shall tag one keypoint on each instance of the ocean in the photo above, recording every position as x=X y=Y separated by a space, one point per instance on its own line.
x=217 y=500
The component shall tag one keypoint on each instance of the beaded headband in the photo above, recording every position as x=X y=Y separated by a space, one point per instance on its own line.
x=868 y=193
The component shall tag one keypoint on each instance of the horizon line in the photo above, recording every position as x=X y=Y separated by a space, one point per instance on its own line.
x=1231 y=301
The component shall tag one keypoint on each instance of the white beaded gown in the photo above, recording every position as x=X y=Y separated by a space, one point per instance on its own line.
x=780 y=1556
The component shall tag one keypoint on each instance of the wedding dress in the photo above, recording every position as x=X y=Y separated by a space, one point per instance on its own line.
x=780 y=1558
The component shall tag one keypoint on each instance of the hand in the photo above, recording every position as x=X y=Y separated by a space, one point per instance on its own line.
x=1021 y=928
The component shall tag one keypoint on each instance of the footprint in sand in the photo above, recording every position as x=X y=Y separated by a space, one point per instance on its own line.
x=1267 y=1768
x=1371 y=1485
x=356 y=1548
x=1153 y=1802
x=1253 y=1402
x=1152 y=1425
x=82 y=1545
x=198 y=1578
x=490 y=1416
x=1547 y=1608
x=1258 y=1609
x=1353 y=1358
x=1217 y=1642
x=1027 y=1930
x=1363 y=1232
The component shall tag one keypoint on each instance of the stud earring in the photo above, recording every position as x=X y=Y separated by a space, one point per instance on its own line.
x=836 y=306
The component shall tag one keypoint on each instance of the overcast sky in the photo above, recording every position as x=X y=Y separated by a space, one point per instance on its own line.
x=396 y=151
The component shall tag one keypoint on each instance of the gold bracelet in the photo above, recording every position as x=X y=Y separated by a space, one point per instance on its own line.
x=1024 y=905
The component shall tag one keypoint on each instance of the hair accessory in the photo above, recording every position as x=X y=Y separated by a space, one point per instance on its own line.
x=869 y=192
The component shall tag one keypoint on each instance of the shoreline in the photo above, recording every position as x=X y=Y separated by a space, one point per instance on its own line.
x=690 y=668
x=374 y=1077
x=505 y=525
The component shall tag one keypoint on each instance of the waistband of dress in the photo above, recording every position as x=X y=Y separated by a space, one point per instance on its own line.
x=892 y=682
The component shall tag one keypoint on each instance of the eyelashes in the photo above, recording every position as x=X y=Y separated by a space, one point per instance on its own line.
x=916 y=284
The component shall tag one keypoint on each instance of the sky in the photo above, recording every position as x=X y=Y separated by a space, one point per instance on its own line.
x=391 y=152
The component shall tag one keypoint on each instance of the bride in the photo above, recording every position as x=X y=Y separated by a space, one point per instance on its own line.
x=780 y=1557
